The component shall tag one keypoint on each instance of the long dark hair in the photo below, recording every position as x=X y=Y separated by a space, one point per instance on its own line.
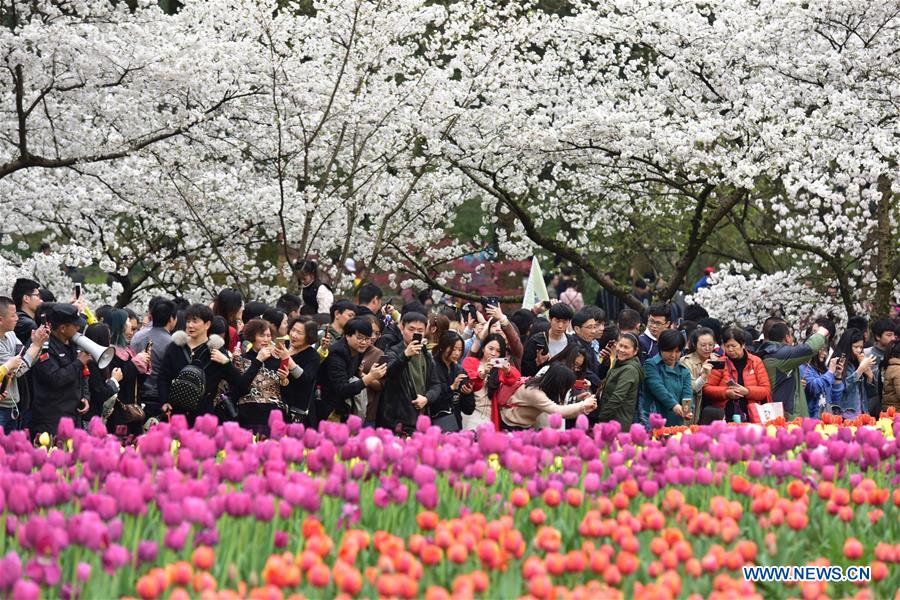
x=568 y=356
x=845 y=344
x=227 y=304
x=447 y=341
x=494 y=337
x=556 y=382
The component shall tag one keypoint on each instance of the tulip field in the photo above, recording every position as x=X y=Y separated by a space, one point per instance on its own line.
x=347 y=511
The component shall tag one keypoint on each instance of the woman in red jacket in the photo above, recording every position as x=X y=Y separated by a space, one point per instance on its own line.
x=488 y=368
x=741 y=382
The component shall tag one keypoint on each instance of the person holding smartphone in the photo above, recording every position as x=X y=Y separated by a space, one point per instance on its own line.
x=544 y=394
x=699 y=361
x=15 y=361
x=822 y=381
x=858 y=371
x=742 y=381
x=411 y=382
x=488 y=368
x=456 y=398
x=543 y=346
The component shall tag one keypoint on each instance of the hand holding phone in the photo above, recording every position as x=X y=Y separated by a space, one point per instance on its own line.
x=717 y=365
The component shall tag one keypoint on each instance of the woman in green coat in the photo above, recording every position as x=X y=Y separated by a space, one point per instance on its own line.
x=622 y=383
x=667 y=383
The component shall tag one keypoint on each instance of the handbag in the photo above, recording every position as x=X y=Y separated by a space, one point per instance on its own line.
x=446 y=421
x=132 y=412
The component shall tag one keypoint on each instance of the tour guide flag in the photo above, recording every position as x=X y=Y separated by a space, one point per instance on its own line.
x=535 y=289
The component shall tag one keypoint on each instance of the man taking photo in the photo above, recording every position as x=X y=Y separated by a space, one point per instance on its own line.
x=15 y=363
x=411 y=381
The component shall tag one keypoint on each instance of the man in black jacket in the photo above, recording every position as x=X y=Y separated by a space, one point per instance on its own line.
x=543 y=346
x=193 y=346
x=412 y=381
x=57 y=374
x=339 y=374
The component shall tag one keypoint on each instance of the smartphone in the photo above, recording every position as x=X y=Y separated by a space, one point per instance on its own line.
x=718 y=365
x=77 y=291
x=611 y=345
x=468 y=311
x=546 y=304
x=686 y=405
x=463 y=381
x=417 y=338
x=491 y=301
x=540 y=341
x=382 y=360
x=581 y=384
x=499 y=362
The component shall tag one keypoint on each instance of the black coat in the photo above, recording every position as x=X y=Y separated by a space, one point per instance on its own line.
x=395 y=408
x=25 y=326
x=175 y=359
x=337 y=389
x=300 y=392
x=529 y=356
x=444 y=403
x=56 y=391
x=390 y=337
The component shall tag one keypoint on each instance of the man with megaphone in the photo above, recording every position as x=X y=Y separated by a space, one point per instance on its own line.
x=58 y=373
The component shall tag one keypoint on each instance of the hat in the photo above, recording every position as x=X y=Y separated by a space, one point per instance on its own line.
x=350 y=265
x=709 y=270
x=64 y=314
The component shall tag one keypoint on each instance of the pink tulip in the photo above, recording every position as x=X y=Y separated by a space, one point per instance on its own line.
x=176 y=538
x=26 y=590
x=10 y=570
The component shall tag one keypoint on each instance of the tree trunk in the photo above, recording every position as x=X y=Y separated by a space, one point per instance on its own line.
x=885 y=249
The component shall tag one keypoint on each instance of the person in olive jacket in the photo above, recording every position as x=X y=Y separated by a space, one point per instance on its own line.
x=411 y=383
x=667 y=383
x=622 y=383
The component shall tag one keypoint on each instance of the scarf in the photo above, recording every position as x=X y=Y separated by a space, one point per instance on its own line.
x=417 y=372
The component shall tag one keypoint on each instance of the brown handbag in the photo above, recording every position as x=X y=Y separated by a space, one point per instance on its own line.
x=132 y=412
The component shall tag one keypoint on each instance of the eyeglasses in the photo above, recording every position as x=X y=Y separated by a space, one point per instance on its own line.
x=656 y=323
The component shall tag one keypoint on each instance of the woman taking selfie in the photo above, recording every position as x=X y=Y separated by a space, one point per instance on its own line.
x=858 y=370
x=821 y=382
x=741 y=381
x=487 y=368
x=621 y=388
x=300 y=369
x=258 y=390
x=699 y=362
x=456 y=397
x=544 y=394
x=667 y=382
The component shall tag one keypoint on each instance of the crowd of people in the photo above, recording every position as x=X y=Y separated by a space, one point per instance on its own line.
x=314 y=357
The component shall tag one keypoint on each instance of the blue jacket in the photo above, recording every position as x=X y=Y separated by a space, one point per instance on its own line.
x=817 y=386
x=665 y=387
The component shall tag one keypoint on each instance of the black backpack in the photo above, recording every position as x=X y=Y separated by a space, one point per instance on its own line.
x=187 y=388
